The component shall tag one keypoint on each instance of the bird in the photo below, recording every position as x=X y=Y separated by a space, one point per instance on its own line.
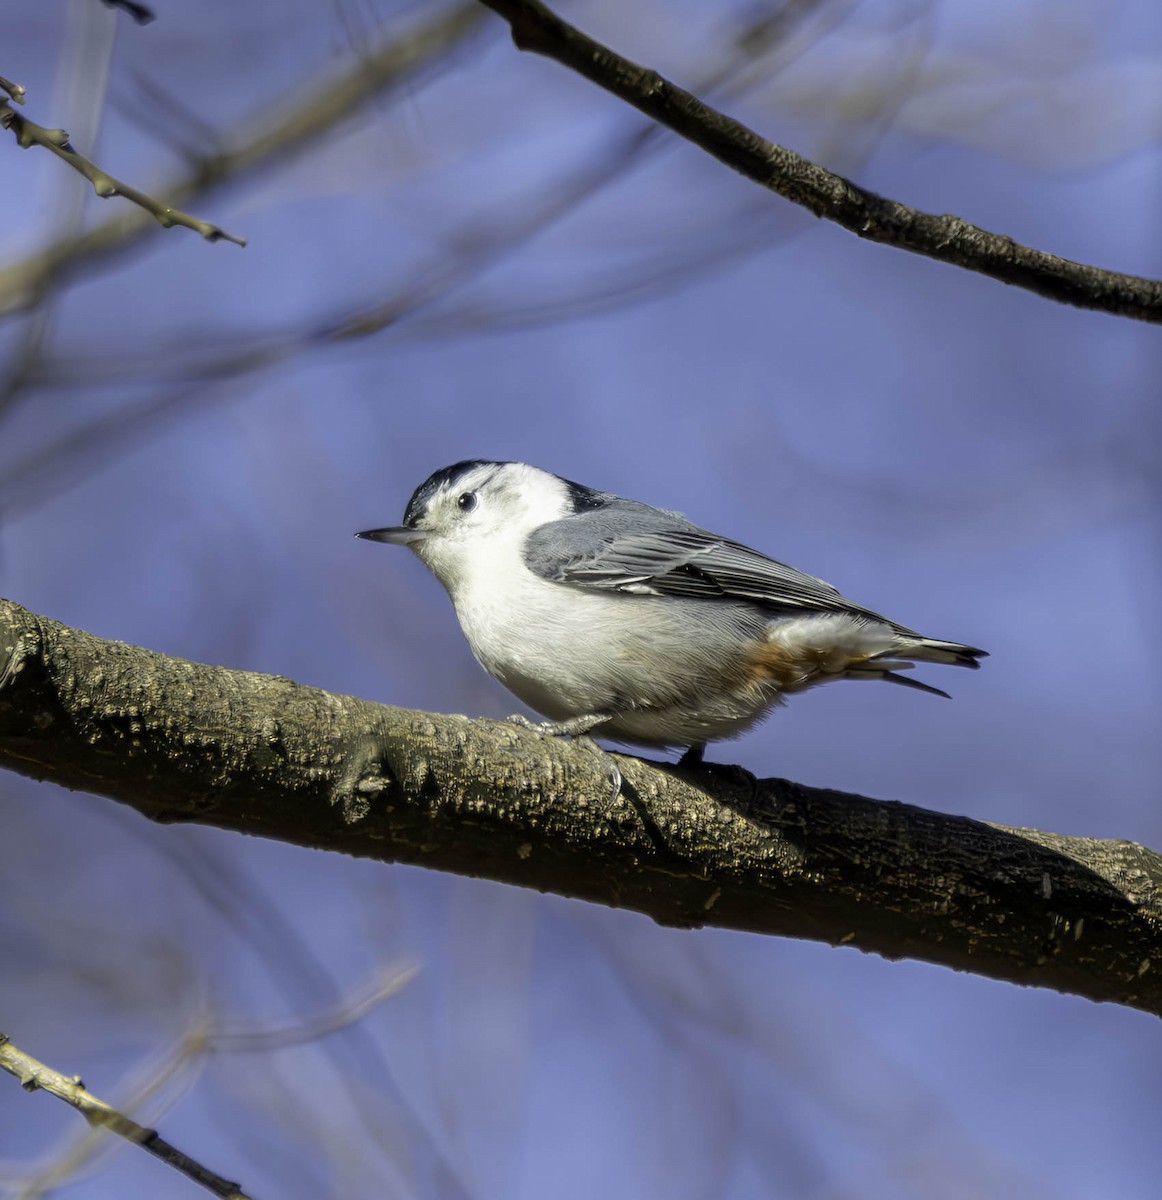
x=613 y=618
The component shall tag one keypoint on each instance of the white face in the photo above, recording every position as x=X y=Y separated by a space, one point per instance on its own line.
x=485 y=513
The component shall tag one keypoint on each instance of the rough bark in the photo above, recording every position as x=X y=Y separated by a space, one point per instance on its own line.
x=182 y=741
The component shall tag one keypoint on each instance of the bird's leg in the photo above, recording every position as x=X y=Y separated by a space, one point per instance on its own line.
x=577 y=727
x=693 y=755
x=573 y=727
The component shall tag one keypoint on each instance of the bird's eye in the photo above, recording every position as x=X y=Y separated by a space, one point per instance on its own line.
x=466 y=501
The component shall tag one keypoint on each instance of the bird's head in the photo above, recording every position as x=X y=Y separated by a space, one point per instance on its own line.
x=476 y=512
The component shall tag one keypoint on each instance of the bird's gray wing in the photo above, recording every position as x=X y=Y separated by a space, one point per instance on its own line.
x=642 y=550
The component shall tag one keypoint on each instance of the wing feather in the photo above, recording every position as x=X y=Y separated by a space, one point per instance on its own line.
x=635 y=548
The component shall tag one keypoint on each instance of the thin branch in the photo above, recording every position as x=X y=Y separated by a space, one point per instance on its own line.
x=16 y=91
x=33 y=1075
x=139 y=12
x=469 y=250
x=946 y=238
x=205 y=1037
x=180 y=741
x=29 y=133
x=295 y=122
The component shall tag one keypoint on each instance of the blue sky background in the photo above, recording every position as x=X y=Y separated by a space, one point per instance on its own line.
x=965 y=457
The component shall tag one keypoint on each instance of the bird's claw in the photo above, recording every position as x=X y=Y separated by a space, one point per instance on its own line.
x=576 y=728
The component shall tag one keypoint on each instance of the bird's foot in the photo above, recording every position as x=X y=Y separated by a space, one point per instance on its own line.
x=612 y=770
x=693 y=756
x=573 y=727
x=577 y=728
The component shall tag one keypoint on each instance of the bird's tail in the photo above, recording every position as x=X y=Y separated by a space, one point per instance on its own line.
x=910 y=650
x=922 y=649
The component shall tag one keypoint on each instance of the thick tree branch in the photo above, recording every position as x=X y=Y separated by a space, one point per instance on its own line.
x=947 y=238
x=180 y=741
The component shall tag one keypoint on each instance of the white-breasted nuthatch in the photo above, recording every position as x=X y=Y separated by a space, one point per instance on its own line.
x=614 y=617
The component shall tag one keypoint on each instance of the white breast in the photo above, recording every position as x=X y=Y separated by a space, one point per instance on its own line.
x=558 y=648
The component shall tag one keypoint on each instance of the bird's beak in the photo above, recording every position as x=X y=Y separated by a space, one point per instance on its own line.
x=397 y=535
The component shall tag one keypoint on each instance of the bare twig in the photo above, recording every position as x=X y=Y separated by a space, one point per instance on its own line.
x=14 y=90
x=293 y=123
x=138 y=12
x=87 y=58
x=205 y=1037
x=471 y=248
x=33 y=1075
x=946 y=238
x=477 y=244
x=29 y=133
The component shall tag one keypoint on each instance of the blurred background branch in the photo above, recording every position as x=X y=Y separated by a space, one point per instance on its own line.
x=205 y=1035
x=291 y=124
x=466 y=252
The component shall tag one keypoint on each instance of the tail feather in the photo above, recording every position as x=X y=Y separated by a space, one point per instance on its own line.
x=933 y=650
x=887 y=671
x=803 y=651
x=887 y=663
x=904 y=681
